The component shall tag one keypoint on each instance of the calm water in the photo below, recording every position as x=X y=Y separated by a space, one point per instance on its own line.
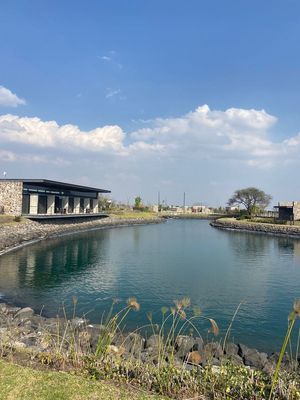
x=160 y=263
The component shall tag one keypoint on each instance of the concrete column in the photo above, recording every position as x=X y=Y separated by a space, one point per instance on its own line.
x=95 y=206
x=76 y=205
x=50 y=204
x=86 y=204
x=65 y=203
x=34 y=199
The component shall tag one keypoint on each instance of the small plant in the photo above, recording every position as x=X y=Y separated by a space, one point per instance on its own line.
x=17 y=218
x=291 y=321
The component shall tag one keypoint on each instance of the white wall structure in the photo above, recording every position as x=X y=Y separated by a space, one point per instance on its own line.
x=34 y=200
x=95 y=206
x=86 y=204
x=65 y=203
x=50 y=204
x=76 y=205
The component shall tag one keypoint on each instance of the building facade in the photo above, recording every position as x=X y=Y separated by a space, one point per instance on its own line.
x=289 y=211
x=46 y=197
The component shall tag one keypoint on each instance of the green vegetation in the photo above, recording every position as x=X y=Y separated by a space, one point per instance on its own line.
x=10 y=219
x=251 y=198
x=133 y=214
x=91 y=373
x=22 y=383
x=138 y=202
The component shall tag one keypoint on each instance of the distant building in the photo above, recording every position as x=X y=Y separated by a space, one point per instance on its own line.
x=34 y=197
x=200 y=209
x=289 y=211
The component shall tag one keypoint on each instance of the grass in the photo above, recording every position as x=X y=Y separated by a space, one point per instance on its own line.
x=10 y=220
x=92 y=370
x=23 y=383
x=254 y=220
x=133 y=214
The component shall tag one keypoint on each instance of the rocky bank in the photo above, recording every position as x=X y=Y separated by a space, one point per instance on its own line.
x=23 y=330
x=257 y=227
x=17 y=234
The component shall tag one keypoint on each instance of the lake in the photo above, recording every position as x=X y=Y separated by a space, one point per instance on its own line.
x=158 y=264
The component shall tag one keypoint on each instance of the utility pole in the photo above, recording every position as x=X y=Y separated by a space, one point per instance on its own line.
x=183 y=201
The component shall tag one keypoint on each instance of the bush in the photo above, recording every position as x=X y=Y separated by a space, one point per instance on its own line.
x=17 y=218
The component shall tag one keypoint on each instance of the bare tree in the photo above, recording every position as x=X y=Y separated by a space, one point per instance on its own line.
x=251 y=198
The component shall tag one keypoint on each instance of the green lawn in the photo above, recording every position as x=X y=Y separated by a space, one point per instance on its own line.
x=22 y=383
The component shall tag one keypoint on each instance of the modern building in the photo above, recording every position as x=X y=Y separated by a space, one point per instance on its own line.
x=288 y=211
x=34 y=197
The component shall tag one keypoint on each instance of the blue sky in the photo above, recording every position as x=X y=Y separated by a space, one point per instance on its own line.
x=125 y=84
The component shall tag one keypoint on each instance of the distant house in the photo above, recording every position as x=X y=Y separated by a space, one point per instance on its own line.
x=42 y=197
x=200 y=209
x=289 y=211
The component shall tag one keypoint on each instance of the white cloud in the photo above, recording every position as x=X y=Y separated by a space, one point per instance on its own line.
x=106 y=58
x=238 y=135
x=112 y=92
x=9 y=99
x=7 y=155
x=234 y=133
x=35 y=132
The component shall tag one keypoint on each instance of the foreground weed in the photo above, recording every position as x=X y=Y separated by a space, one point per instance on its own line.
x=291 y=321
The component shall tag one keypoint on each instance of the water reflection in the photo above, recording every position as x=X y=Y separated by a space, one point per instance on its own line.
x=160 y=263
x=50 y=263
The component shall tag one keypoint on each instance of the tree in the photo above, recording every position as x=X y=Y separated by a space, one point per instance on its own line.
x=251 y=198
x=138 y=202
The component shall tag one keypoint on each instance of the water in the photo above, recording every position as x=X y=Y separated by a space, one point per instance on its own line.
x=157 y=264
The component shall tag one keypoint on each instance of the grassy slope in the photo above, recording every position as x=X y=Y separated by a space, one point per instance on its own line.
x=133 y=214
x=22 y=383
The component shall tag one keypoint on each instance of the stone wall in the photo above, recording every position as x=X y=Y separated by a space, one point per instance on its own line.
x=257 y=227
x=296 y=210
x=11 y=193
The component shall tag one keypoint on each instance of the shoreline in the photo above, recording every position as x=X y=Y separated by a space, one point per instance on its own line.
x=24 y=330
x=13 y=237
x=288 y=231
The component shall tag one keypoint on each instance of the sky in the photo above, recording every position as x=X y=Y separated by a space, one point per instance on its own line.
x=142 y=97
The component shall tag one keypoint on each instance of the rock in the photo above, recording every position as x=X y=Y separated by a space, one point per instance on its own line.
x=93 y=332
x=285 y=363
x=154 y=341
x=78 y=323
x=194 y=357
x=231 y=349
x=213 y=350
x=252 y=357
x=29 y=340
x=198 y=344
x=234 y=359
x=24 y=313
x=269 y=368
x=183 y=345
x=134 y=344
x=18 y=345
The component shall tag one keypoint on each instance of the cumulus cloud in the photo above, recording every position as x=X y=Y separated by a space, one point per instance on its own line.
x=35 y=132
x=9 y=99
x=234 y=133
x=241 y=135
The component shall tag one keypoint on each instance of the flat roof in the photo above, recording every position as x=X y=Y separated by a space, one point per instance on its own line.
x=56 y=184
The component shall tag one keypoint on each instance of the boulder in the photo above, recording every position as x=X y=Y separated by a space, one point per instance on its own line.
x=183 y=345
x=213 y=350
x=198 y=344
x=231 y=349
x=252 y=357
x=24 y=313
x=154 y=341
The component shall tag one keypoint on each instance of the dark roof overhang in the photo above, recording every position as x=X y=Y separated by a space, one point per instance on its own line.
x=57 y=185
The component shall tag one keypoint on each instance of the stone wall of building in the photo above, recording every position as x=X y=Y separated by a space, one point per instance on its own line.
x=296 y=210
x=11 y=193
